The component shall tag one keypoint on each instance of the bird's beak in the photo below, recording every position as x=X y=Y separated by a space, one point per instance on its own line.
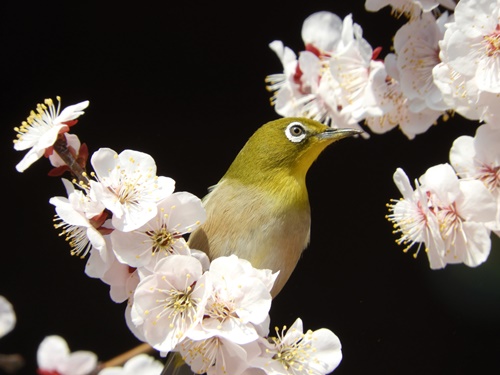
x=336 y=134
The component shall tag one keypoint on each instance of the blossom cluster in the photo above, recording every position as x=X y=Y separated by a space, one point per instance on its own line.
x=445 y=60
x=132 y=228
x=442 y=61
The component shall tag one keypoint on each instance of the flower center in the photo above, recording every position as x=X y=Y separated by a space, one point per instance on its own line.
x=450 y=224
x=291 y=355
x=127 y=193
x=220 y=309
x=493 y=42
x=490 y=176
x=162 y=240
x=180 y=300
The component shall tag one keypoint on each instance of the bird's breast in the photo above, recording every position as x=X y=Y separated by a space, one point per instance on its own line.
x=269 y=230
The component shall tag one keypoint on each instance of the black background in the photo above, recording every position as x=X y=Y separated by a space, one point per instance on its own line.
x=184 y=82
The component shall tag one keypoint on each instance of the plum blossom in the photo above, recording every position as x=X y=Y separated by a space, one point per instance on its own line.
x=40 y=130
x=414 y=221
x=80 y=217
x=168 y=303
x=471 y=43
x=354 y=67
x=294 y=352
x=238 y=302
x=121 y=278
x=478 y=158
x=416 y=45
x=412 y=9
x=307 y=87
x=7 y=316
x=178 y=214
x=54 y=358
x=462 y=209
x=128 y=186
x=217 y=355
x=141 y=364
x=396 y=107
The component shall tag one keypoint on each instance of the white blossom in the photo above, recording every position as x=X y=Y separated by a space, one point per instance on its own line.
x=40 y=130
x=414 y=221
x=218 y=356
x=238 y=302
x=471 y=43
x=53 y=355
x=396 y=107
x=294 y=352
x=416 y=46
x=177 y=215
x=170 y=302
x=353 y=66
x=478 y=158
x=460 y=208
x=7 y=316
x=128 y=186
x=79 y=217
x=411 y=9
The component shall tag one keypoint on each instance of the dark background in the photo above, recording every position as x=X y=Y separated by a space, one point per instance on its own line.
x=184 y=82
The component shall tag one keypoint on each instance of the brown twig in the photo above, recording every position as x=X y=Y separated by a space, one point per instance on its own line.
x=61 y=148
x=124 y=357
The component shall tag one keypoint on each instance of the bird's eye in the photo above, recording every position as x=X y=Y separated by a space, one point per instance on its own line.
x=295 y=132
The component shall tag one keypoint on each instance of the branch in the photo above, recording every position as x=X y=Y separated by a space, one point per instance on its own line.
x=61 y=148
x=124 y=357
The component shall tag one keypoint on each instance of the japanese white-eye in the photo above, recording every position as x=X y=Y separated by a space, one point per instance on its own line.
x=259 y=210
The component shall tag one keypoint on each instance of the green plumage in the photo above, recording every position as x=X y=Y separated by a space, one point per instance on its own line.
x=259 y=210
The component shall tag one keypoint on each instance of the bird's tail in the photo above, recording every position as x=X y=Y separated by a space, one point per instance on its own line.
x=174 y=365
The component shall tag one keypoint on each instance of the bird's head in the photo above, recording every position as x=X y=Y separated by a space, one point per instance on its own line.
x=287 y=145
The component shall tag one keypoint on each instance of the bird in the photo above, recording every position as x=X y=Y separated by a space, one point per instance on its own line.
x=259 y=210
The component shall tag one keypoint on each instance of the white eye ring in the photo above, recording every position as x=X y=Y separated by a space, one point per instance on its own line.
x=295 y=132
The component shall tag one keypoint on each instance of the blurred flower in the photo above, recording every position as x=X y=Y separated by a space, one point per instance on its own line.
x=141 y=364
x=40 y=130
x=7 y=316
x=55 y=358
